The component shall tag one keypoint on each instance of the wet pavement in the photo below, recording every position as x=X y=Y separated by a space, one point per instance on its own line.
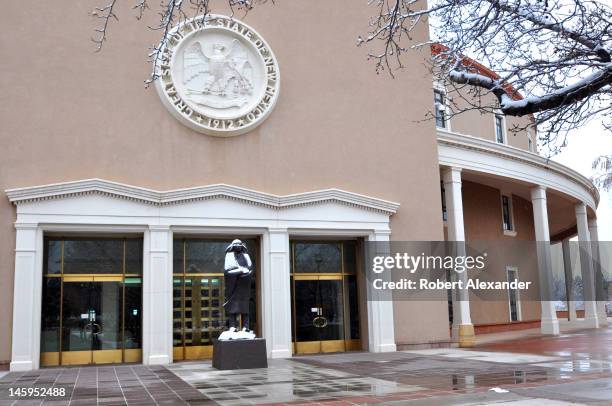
x=573 y=368
x=586 y=343
x=104 y=385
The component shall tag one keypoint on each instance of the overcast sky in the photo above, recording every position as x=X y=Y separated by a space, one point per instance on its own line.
x=583 y=147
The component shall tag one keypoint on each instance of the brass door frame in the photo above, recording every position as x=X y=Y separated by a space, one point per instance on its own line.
x=123 y=355
x=92 y=278
x=184 y=351
x=91 y=357
x=323 y=346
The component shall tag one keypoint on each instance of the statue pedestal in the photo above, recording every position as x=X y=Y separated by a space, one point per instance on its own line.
x=240 y=354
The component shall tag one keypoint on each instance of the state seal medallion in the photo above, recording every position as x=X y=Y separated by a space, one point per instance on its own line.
x=217 y=75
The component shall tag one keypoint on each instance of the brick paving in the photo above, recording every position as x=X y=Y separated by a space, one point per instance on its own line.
x=587 y=343
x=105 y=385
x=573 y=368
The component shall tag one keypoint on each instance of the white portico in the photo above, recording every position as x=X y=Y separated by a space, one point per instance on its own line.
x=538 y=180
x=98 y=207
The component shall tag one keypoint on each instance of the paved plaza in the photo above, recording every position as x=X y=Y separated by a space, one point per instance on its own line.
x=574 y=368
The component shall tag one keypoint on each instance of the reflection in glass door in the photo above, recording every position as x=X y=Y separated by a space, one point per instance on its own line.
x=325 y=301
x=91 y=320
x=92 y=300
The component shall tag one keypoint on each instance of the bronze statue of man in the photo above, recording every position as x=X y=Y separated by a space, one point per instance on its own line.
x=238 y=273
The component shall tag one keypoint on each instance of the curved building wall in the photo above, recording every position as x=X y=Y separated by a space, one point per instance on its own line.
x=483 y=222
x=482 y=125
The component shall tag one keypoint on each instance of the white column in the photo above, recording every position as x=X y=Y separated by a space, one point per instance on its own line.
x=27 y=298
x=463 y=329
x=157 y=296
x=586 y=265
x=599 y=278
x=569 y=280
x=381 y=327
x=549 y=323
x=276 y=293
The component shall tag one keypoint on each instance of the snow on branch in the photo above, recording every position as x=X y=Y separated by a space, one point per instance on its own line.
x=565 y=96
x=546 y=59
x=602 y=169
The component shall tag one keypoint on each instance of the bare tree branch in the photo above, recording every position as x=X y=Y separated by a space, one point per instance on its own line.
x=170 y=12
x=603 y=172
x=550 y=60
x=104 y=13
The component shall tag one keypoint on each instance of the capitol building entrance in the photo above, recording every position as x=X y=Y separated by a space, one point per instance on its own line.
x=92 y=297
x=113 y=273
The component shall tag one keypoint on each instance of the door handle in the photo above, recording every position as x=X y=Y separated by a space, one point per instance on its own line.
x=319 y=322
x=90 y=327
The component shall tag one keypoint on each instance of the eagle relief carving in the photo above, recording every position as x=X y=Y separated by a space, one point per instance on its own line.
x=217 y=75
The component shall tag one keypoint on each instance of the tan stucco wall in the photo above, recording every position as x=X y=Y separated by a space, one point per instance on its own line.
x=483 y=223
x=68 y=113
x=482 y=125
x=482 y=214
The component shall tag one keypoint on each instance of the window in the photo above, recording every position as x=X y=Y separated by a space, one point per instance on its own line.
x=513 y=296
x=317 y=257
x=444 y=212
x=449 y=298
x=530 y=141
x=499 y=128
x=507 y=213
x=440 y=105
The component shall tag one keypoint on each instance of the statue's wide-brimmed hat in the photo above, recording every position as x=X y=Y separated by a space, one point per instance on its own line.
x=235 y=244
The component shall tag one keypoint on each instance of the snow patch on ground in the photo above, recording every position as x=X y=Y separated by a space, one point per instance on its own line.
x=499 y=390
x=489 y=356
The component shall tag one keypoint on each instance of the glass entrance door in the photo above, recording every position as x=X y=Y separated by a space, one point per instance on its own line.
x=92 y=320
x=319 y=314
x=324 y=297
x=92 y=301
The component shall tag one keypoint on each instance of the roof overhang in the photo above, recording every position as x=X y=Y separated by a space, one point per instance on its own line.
x=488 y=157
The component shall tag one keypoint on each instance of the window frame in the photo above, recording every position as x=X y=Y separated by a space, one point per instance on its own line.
x=502 y=122
x=444 y=209
x=519 y=313
x=439 y=89
x=530 y=142
x=511 y=231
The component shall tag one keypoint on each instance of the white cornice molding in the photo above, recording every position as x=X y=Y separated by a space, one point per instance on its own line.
x=161 y=198
x=467 y=142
